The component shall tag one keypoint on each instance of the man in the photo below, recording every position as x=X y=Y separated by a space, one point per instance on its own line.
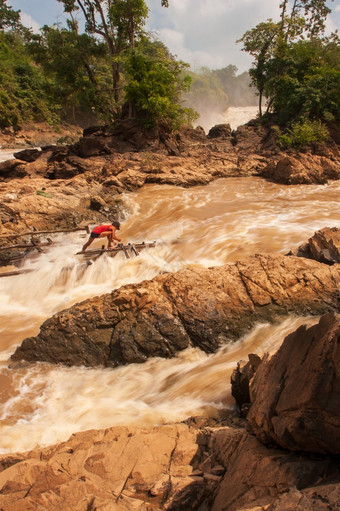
x=104 y=231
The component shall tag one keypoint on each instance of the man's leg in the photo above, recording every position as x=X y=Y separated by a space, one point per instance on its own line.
x=87 y=244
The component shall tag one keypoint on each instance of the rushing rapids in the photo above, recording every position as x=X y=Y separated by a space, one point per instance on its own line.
x=205 y=225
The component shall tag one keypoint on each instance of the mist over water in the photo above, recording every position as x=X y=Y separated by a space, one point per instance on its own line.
x=235 y=116
x=206 y=225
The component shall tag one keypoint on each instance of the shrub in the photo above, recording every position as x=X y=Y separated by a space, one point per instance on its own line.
x=304 y=132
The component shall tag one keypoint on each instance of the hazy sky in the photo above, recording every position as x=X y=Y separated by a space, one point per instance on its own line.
x=201 y=32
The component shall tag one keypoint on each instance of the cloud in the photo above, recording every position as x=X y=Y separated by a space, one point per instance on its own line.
x=204 y=33
x=29 y=22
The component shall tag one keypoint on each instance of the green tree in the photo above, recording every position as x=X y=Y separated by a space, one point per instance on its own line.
x=279 y=56
x=261 y=43
x=155 y=82
x=22 y=86
x=76 y=68
x=117 y=22
x=9 y=18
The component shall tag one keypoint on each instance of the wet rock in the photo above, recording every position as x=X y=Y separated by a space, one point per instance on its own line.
x=295 y=395
x=197 y=307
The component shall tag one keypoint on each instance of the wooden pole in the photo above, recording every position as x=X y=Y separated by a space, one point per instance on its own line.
x=15 y=272
x=34 y=233
x=23 y=245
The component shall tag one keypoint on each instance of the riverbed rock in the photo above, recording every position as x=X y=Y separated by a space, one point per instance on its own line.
x=295 y=395
x=323 y=246
x=198 y=307
x=171 y=467
x=301 y=168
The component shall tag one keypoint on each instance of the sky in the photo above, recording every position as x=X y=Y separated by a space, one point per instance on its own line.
x=200 y=32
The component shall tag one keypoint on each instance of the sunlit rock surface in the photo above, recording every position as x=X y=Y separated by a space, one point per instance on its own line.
x=323 y=246
x=197 y=307
x=171 y=467
x=295 y=395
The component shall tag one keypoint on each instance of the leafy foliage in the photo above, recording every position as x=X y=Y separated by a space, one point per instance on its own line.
x=22 y=86
x=155 y=81
x=303 y=133
x=299 y=77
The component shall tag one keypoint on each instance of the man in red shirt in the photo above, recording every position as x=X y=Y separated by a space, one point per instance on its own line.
x=104 y=231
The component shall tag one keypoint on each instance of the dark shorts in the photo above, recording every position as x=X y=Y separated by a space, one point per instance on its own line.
x=95 y=234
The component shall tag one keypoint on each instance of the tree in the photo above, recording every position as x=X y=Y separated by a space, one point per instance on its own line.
x=155 y=82
x=9 y=19
x=261 y=43
x=272 y=46
x=117 y=22
x=76 y=68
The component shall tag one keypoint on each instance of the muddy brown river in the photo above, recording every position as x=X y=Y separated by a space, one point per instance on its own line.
x=206 y=225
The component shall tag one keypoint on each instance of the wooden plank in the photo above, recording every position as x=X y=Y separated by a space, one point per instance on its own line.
x=133 y=249
x=115 y=250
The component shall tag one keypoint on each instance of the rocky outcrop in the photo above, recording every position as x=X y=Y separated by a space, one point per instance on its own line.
x=323 y=246
x=171 y=467
x=295 y=395
x=250 y=150
x=194 y=307
x=301 y=169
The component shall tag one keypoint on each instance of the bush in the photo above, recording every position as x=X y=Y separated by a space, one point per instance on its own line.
x=304 y=132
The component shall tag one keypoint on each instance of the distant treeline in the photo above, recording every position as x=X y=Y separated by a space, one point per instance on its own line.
x=215 y=91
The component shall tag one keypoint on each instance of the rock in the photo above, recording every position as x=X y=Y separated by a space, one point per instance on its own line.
x=240 y=380
x=220 y=131
x=255 y=476
x=197 y=307
x=324 y=246
x=295 y=396
x=97 y=203
x=91 y=146
x=12 y=169
x=27 y=155
x=170 y=467
x=316 y=498
x=301 y=169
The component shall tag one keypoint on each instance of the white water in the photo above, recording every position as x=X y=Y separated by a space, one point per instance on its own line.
x=222 y=222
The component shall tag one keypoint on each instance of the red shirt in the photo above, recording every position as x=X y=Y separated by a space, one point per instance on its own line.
x=101 y=228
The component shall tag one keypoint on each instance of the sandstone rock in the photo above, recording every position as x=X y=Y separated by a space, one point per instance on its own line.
x=11 y=169
x=301 y=169
x=170 y=467
x=324 y=246
x=295 y=395
x=194 y=307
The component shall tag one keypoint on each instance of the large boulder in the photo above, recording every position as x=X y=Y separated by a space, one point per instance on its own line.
x=299 y=168
x=197 y=307
x=295 y=395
